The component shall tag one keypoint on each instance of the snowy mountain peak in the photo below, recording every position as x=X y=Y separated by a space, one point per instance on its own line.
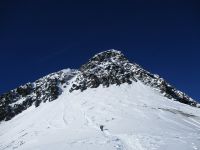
x=108 y=57
x=104 y=69
x=112 y=68
x=108 y=104
x=109 y=53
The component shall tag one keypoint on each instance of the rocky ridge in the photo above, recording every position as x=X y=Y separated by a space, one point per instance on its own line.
x=107 y=68
x=112 y=67
x=45 y=89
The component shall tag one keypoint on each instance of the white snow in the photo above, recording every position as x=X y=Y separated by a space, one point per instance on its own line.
x=135 y=117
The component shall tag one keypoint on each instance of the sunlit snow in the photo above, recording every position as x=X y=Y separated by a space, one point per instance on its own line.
x=134 y=117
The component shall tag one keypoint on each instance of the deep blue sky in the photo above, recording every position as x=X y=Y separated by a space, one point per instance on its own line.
x=40 y=37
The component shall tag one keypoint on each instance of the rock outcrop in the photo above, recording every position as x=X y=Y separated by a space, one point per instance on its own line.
x=112 y=67
x=45 y=89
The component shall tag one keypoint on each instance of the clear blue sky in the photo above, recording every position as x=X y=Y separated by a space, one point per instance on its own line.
x=40 y=37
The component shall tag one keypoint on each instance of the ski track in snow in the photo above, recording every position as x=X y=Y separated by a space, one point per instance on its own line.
x=193 y=123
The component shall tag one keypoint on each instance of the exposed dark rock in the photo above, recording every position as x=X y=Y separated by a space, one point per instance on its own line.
x=37 y=103
x=106 y=68
x=111 y=67
x=42 y=90
x=25 y=90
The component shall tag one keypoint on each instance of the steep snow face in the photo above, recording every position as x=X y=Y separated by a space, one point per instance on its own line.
x=126 y=117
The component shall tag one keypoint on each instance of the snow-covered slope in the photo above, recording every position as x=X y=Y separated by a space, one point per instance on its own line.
x=122 y=107
x=135 y=117
x=45 y=89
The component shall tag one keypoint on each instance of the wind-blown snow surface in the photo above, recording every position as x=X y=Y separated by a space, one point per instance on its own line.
x=135 y=117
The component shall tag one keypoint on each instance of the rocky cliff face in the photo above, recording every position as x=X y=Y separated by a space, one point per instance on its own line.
x=112 y=67
x=106 y=68
x=45 y=89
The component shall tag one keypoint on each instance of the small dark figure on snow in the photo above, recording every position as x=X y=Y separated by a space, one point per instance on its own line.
x=101 y=127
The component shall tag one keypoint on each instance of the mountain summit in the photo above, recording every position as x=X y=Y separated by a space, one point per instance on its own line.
x=111 y=67
x=109 y=103
x=107 y=68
